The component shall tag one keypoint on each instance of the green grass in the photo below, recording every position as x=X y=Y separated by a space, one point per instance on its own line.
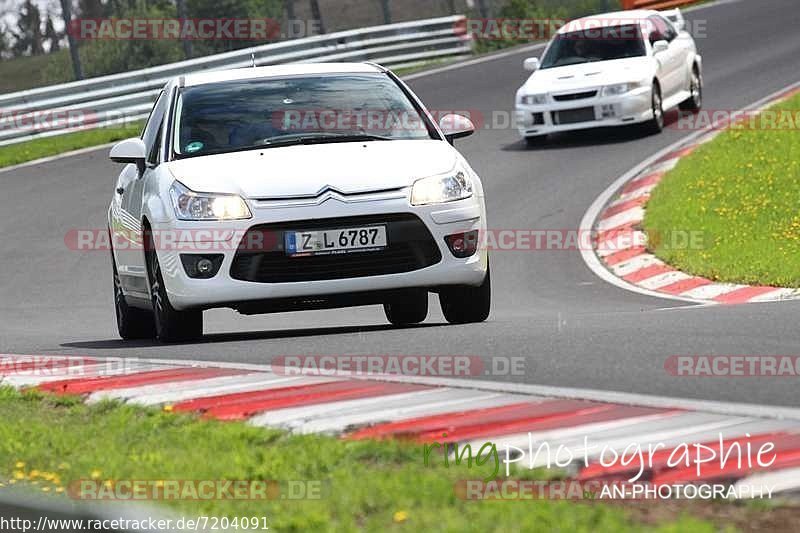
x=29 y=72
x=740 y=191
x=15 y=154
x=47 y=441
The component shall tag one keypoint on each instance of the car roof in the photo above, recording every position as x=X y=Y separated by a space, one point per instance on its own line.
x=616 y=18
x=291 y=69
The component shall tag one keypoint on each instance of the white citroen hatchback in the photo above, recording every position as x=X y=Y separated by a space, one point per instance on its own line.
x=294 y=187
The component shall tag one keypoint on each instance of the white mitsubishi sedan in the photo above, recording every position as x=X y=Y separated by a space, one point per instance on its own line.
x=294 y=187
x=614 y=69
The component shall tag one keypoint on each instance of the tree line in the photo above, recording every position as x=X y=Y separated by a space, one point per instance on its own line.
x=34 y=33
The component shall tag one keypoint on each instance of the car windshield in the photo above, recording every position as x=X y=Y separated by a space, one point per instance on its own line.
x=262 y=113
x=596 y=44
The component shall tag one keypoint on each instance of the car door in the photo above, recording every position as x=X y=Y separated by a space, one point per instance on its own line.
x=671 y=61
x=128 y=200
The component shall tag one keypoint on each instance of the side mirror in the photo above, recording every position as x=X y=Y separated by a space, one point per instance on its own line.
x=129 y=151
x=456 y=126
x=660 y=46
x=531 y=64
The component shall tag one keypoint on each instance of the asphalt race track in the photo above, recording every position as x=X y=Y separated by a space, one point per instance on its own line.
x=574 y=329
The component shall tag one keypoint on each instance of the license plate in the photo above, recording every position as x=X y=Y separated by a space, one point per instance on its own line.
x=335 y=241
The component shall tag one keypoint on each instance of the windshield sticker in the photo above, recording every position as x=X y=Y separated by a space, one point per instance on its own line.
x=193 y=147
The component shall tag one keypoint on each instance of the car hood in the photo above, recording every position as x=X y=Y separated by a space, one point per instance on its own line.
x=589 y=75
x=306 y=170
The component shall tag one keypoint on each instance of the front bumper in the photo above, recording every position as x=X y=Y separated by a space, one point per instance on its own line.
x=224 y=290
x=631 y=108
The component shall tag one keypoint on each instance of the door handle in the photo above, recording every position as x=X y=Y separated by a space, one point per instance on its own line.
x=120 y=190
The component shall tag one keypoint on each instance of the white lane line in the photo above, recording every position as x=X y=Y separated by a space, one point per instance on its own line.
x=522 y=440
x=708 y=292
x=343 y=423
x=663 y=166
x=189 y=390
x=43 y=160
x=634 y=265
x=336 y=417
x=631 y=216
x=86 y=372
x=592 y=213
x=787 y=479
x=624 y=241
x=777 y=294
x=546 y=391
x=633 y=195
x=666 y=436
x=662 y=280
x=296 y=415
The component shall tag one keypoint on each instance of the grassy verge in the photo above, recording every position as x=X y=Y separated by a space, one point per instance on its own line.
x=46 y=441
x=740 y=192
x=15 y=154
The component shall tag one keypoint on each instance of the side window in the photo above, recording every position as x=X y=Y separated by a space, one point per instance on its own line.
x=152 y=130
x=661 y=29
x=152 y=155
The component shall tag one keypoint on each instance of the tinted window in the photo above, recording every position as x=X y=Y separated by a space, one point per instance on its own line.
x=661 y=29
x=153 y=126
x=596 y=44
x=153 y=156
x=245 y=114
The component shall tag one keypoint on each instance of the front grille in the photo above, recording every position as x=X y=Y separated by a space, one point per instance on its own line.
x=574 y=116
x=410 y=247
x=574 y=96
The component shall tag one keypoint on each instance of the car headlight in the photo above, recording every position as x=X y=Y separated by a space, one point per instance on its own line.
x=534 y=99
x=440 y=189
x=619 y=88
x=190 y=205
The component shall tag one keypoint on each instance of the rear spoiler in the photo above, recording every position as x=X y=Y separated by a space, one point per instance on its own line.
x=676 y=17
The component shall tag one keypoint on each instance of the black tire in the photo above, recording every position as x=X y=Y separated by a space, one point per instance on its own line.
x=132 y=323
x=656 y=124
x=171 y=325
x=466 y=305
x=695 y=102
x=536 y=140
x=410 y=308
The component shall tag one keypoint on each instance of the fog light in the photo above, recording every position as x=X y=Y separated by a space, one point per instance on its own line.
x=204 y=266
x=463 y=245
x=201 y=266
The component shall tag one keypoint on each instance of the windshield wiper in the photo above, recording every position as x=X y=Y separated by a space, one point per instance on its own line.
x=294 y=139
x=319 y=138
